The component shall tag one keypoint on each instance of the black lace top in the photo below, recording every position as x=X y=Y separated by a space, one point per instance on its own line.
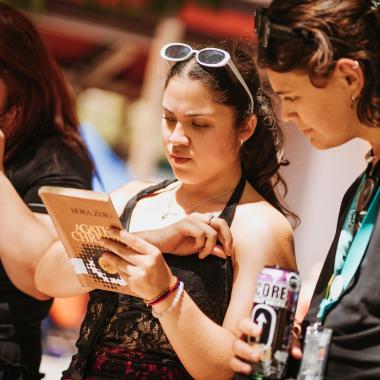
x=126 y=324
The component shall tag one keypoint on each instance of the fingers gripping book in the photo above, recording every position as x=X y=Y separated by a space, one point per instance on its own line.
x=81 y=218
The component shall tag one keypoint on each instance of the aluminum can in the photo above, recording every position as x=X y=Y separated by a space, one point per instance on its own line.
x=275 y=303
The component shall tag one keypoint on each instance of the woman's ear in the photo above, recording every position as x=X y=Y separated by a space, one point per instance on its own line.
x=351 y=74
x=249 y=128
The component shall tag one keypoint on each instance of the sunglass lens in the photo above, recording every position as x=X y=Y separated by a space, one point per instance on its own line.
x=211 y=56
x=177 y=51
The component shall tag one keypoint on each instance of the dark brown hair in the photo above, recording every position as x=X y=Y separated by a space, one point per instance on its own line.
x=337 y=29
x=262 y=153
x=38 y=100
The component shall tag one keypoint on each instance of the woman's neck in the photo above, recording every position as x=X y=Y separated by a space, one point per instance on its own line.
x=375 y=152
x=372 y=136
x=223 y=184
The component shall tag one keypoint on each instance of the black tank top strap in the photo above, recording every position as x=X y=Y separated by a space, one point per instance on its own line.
x=125 y=217
x=228 y=212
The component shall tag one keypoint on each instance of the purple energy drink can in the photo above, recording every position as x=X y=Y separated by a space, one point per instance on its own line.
x=273 y=311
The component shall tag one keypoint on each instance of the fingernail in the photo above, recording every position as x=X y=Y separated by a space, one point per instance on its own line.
x=220 y=248
x=219 y=252
x=246 y=368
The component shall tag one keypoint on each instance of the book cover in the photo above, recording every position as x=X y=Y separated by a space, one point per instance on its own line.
x=81 y=218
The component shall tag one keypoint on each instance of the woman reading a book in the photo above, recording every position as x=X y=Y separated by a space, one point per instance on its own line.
x=42 y=147
x=224 y=145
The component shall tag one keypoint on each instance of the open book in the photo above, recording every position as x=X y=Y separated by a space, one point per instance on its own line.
x=81 y=217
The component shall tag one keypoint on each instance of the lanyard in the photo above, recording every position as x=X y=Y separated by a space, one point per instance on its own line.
x=346 y=266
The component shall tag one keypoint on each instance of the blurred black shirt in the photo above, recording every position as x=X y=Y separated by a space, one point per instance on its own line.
x=48 y=163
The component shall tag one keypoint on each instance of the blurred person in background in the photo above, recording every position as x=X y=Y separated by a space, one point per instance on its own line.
x=323 y=60
x=223 y=142
x=39 y=145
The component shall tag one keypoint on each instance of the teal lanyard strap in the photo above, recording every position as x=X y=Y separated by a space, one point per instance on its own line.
x=347 y=232
x=354 y=255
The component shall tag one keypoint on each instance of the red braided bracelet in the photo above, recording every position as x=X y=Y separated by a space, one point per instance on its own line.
x=163 y=295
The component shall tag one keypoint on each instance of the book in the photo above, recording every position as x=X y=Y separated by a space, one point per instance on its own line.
x=81 y=218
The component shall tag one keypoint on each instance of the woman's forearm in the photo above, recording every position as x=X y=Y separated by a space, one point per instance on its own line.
x=35 y=261
x=203 y=347
x=55 y=275
x=22 y=239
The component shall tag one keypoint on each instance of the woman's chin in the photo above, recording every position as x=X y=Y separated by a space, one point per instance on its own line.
x=185 y=176
x=324 y=145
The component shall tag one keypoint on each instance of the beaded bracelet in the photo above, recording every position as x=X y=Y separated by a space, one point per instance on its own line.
x=173 y=304
x=165 y=294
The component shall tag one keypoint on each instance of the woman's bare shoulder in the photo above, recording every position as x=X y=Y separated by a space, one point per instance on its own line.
x=255 y=212
x=260 y=229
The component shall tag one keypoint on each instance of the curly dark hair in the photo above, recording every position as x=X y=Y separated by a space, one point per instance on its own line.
x=262 y=153
x=335 y=29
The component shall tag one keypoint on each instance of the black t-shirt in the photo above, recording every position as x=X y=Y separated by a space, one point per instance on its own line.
x=52 y=163
x=355 y=347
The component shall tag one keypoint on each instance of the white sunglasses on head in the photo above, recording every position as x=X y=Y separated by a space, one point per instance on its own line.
x=209 y=57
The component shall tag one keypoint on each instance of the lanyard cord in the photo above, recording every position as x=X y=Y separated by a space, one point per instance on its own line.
x=348 y=258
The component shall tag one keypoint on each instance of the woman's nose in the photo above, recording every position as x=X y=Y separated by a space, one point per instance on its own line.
x=178 y=136
x=288 y=113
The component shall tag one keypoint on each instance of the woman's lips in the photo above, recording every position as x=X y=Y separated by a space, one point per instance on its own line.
x=179 y=160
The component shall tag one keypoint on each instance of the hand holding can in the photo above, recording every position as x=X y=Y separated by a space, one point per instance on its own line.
x=273 y=312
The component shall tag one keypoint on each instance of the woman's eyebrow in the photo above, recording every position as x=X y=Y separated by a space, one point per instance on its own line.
x=166 y=110
x=283 y=92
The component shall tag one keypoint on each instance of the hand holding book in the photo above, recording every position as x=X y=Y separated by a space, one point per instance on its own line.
x=139 y=263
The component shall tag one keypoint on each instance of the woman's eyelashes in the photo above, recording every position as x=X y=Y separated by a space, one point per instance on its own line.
x=289 y=99
x=199 y=125
x=171 y=120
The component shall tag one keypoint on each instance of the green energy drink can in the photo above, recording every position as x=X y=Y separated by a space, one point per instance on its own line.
x=274 y=308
